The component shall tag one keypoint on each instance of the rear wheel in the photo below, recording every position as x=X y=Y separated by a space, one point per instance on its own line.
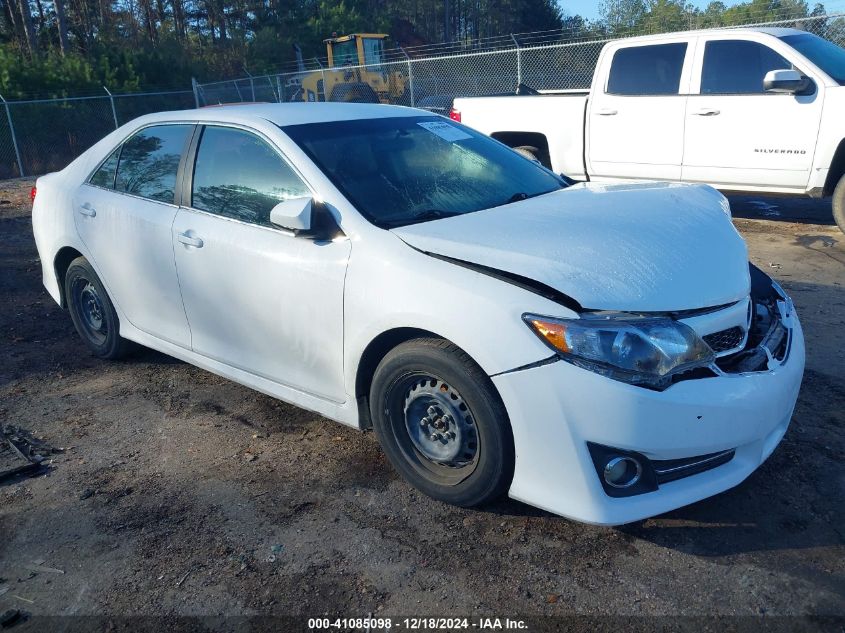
x=839 y=204
x=441 y=423
x=92 y=311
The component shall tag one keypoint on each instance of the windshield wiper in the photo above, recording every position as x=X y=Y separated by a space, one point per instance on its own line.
x=422 y=216
x=519 y=196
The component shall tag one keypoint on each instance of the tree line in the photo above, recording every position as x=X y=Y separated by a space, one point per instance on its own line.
x=73 y=47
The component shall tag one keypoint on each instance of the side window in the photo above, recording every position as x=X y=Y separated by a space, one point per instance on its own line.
x=237 y=175
x=647 y=70
x=149 y=162
x=373 y=50
x=104 y=176
x=735 y=67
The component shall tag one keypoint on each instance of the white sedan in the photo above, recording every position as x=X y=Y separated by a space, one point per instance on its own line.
x=602 y=352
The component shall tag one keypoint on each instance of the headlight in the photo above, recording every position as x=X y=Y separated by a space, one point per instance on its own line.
x=643 y=351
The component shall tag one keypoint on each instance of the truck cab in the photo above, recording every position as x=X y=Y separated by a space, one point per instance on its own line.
x=357 y=49
x=709 y=107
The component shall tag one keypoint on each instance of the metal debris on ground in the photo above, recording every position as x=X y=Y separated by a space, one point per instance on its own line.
x=10 y=618
x=21 y=453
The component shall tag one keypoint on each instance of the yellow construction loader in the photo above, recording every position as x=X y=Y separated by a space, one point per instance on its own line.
x=354 y=73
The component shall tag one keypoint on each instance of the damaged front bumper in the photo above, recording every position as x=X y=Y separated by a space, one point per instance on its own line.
x=697 y=438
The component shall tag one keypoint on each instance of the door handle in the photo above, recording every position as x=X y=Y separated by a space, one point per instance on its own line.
x=707 y=112
x=87 y=209
x=189 y=240
x=606 y=112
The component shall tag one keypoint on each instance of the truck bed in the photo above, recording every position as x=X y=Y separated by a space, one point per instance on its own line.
x=557 y=115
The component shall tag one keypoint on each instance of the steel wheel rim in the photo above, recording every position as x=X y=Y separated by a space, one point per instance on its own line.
x=91 y=311
x=424 y=406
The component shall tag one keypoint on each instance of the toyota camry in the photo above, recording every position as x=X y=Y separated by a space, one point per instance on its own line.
x=606 y=353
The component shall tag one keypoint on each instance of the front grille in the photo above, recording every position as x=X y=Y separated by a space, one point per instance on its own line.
x=725 y=339
x=668 y=470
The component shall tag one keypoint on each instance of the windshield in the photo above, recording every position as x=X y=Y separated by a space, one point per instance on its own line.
x=824 y=54
x=404 y=170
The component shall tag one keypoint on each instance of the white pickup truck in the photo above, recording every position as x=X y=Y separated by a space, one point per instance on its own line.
x=754 y=110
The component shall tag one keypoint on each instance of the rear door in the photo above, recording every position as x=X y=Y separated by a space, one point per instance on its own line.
x=124 y=215
x=739 y=136
x=635 y=120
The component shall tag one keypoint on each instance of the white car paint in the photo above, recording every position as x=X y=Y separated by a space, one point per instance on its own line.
x=777 y=143
x=590 y=242
x=292 y=319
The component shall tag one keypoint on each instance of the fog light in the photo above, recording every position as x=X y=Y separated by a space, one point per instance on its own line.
x=622 y=472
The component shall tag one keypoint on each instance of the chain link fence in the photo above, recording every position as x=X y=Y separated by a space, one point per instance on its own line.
x=40 y=136
x=433 y=76
x=37 y=137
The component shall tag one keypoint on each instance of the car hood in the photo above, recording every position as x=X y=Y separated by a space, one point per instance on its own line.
x=643 y=247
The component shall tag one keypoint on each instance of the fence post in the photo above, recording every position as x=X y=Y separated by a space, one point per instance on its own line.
x=279 y=89
x=195 y=88
x=251 y=85
x=410 y=75
x=113 y=111
x=518 y=61
x=14 y=138
x=323 y=73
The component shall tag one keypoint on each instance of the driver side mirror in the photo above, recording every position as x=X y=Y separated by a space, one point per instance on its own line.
x=785 y=82
x=293 y=214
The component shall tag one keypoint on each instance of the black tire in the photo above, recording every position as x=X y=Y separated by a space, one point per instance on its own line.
x=92 y=312
x=354 y=93
x=432 y=374
x=839 y=204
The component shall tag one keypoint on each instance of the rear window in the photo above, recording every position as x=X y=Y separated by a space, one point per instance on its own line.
x=104 y=176
x=149 y=161
x=647 y=70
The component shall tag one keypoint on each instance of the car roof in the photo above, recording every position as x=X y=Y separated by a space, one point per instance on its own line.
x=774 y=31
x=287 y=113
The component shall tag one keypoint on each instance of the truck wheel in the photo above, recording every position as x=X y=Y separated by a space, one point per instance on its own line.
x=441 y=422
x=839 y=204
x=92 y=312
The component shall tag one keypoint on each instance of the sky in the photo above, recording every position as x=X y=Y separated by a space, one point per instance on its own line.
x=590 y=8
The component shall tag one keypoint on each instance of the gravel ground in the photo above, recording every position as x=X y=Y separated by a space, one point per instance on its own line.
x=179 y=493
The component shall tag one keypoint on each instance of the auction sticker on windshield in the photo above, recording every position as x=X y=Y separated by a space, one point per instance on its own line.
x=445 y=131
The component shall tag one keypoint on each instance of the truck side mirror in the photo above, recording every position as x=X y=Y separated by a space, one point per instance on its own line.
x=785 y=82
x=293 y=214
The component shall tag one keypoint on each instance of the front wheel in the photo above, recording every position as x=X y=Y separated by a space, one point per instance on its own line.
x=441 y=423
x=92 y=311
x=839 y=204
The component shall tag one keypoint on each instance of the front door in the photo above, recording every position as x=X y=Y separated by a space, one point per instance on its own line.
x=635 y=122
x=738 y=135
x=124 y=215
x=257 y=297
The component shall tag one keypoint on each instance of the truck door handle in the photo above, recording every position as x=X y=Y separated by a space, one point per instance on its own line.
x=87 y=209
x=706 y=112
x=189 y=240
x=606 y=112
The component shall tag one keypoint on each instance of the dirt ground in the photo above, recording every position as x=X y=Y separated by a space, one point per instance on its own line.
x=180 y=493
